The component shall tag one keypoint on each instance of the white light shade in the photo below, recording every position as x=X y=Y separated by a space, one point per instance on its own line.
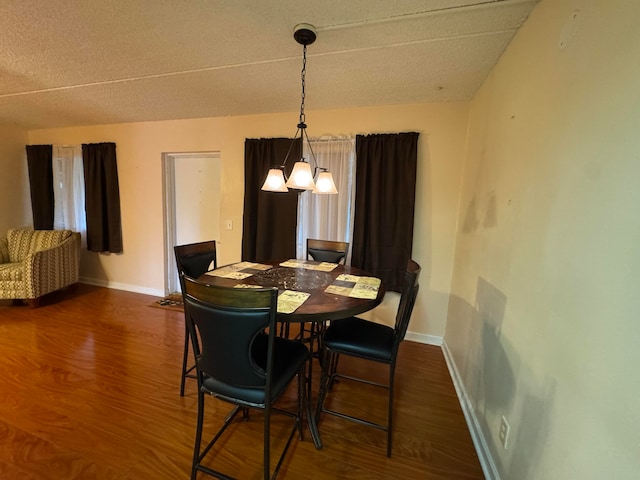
x=325 y=184
x=275 y=181
x=301 y=177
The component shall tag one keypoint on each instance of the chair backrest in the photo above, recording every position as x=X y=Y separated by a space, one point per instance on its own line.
x=327 y=250
x=4 y=250
x=194 y=259
x=227 y=321
x=23 y=241
x=410 y=287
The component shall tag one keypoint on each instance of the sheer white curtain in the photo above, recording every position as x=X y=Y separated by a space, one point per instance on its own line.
x=329 y=217
x=68 y=189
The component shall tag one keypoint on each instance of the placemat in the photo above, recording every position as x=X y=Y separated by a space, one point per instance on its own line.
x=321 y=267
x=239 y=270
x=355 y=287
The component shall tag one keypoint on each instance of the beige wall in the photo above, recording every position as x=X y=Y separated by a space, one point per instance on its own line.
x=15 y=203
x=541 y=308
x=544 y=309
x=442 y=129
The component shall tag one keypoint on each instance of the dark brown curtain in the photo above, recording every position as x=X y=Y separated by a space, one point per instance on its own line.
x=270 y=219
x=386 y=167
x=102 y=197
x=39 y=161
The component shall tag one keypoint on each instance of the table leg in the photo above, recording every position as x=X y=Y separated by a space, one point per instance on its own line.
x=311 y=416
x=313 y=426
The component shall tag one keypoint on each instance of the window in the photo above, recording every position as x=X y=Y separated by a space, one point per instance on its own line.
x=329 y=217
x=68 y=189
x=78 y=191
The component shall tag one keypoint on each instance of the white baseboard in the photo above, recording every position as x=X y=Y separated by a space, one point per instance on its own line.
x=123 y=286
x=423 y=338
x=482 y=449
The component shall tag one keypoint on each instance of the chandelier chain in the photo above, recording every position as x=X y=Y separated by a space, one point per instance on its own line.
x=303 y=75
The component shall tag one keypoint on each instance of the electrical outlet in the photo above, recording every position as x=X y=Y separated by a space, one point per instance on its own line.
x=503 y=433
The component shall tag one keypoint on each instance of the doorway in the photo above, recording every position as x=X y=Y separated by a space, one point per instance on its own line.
x=191 y=184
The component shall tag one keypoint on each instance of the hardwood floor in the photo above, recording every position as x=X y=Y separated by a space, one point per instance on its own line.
x=90 y=390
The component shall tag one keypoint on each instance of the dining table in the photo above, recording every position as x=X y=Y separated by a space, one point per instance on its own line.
x=309 y=292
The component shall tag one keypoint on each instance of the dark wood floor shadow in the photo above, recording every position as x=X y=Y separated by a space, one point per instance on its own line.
x=90 y=390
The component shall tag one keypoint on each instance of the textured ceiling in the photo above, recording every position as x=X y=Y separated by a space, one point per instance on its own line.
x=83 y=62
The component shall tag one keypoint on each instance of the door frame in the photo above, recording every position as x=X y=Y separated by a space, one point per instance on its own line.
x=171 y=285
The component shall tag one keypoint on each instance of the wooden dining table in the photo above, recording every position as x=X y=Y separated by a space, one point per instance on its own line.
x=318 y=282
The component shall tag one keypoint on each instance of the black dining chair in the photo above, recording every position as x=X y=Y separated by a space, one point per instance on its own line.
x=322 y=251
x=327 y=250
x=239 y=363
x=193 y=260
x=360 y=338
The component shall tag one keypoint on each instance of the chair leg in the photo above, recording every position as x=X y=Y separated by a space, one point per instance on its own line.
x=33 y=302
x=196 y=448
x=284 y=330
x=327 y=360
x=392 y=368
x=185 y=356
x=310 y=362
x=302 y=399
x=333 y=368
x=329 y=376
x=267 y=440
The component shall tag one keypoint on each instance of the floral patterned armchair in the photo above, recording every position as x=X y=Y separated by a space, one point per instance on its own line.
x=36 y=262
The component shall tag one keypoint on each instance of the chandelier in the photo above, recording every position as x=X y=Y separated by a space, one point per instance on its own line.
x=301 y=177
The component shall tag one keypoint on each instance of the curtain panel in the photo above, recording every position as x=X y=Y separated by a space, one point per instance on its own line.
x=102 y=197
x=329 y=217
x=269 y=219
x=39 y=162
x=386 y=166
x=69 y=196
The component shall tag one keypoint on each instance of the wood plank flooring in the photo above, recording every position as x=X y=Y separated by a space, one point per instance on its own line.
x=90 y=390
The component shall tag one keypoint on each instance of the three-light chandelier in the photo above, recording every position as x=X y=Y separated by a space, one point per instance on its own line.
x=301 y=177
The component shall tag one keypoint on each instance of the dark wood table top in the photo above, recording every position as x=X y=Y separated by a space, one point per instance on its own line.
x=320 y=305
